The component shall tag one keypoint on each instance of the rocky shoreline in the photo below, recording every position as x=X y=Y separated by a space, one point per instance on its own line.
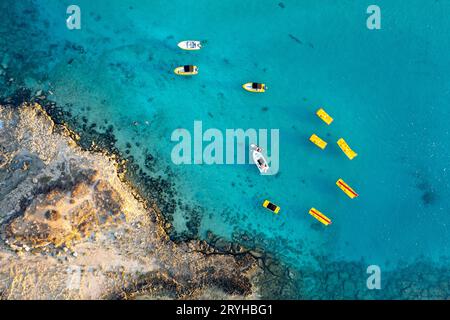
x=71 y=229
x=278 y=281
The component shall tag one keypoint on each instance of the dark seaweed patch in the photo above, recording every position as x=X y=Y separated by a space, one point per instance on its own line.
x=428 y=196
x=149 y=161
x=70 y=46
x=19 y=96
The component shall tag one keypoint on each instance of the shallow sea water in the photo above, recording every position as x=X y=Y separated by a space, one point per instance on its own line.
x=388 y=91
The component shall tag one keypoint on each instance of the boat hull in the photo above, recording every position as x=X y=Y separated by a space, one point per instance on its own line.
x=248 y=87
x=257 y=155
x=267 y=204
x=190 y=45
x=180 y=71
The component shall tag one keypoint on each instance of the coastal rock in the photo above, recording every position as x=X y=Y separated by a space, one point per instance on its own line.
x=70 y=206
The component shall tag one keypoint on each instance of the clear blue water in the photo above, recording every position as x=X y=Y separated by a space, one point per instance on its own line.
x=388 y=91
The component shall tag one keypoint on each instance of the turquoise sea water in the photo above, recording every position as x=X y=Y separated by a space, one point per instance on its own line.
x=387 y=89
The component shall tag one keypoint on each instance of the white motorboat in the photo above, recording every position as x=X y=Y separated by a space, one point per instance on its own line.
x=259 y=159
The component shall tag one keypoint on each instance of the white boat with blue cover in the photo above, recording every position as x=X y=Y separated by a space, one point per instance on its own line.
x=190 y=45
x=259 y=159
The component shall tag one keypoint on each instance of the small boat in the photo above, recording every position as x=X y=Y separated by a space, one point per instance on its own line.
x=259 y=159
x=318 y=142
x=347 y=150
x=346 y=188
x=190 y=45
x=324 y=116
x=255 y=87
x=272 y=207
x=320 y=216
x=188 y=70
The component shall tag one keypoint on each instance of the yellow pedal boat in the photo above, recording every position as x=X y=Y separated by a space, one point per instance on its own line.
x=346 y=149
x=324 y=116
x=320 y=216
x=346 y=188
x=317 y=141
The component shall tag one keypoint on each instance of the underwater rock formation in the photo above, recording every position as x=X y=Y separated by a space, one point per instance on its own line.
x=71 y=229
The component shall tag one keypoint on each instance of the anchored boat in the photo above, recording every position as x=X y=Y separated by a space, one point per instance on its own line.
x=190 y=45
x=318 y=142
x=272 y=207
x=346 y=149
x=259 y=159
x=320 y=216
x=255 y=87
x=324 y=116
x=188 y=70
x=346 y=188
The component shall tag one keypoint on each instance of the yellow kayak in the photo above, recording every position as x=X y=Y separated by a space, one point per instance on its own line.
x=255 y=87
x=318 y=142
x=346 y=188
x=324 y=116
x=347 y=150
x=320 y=216
x=186 y=70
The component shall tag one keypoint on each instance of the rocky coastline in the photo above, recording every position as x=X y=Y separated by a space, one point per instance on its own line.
x=72 y=229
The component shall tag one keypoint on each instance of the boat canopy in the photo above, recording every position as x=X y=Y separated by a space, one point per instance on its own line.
x=188 y=68
x=256 y=85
